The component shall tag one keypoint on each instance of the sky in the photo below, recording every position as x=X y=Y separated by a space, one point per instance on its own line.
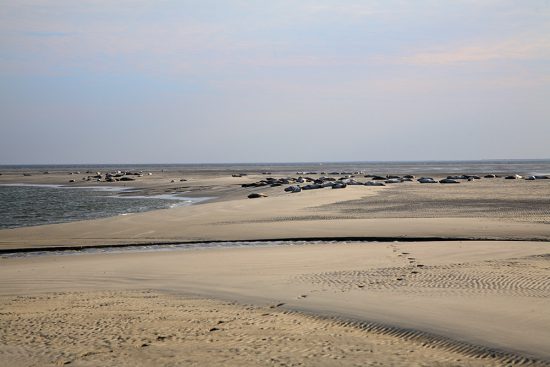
x=178 y=81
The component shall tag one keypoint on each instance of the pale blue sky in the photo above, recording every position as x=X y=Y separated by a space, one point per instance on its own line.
x=273 y=81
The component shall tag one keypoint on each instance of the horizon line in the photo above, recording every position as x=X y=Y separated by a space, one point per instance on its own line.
x=280 y=163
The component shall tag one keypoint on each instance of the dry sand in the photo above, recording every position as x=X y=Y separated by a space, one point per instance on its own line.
x=148 y=329
x=491 y=294
x=419 y=303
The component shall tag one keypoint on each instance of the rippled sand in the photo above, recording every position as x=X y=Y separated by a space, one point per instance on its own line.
x=146 y=328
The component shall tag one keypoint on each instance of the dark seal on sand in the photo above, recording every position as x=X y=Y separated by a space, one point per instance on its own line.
x=339 y=185
x=426 y=180
x=374 y=183
x=448 y=181
x=512 y=177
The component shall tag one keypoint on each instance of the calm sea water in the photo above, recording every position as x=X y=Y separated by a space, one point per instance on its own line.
x=525 y=167
x=29 y=205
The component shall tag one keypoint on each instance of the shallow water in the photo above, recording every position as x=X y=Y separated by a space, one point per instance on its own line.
x=174 y=247
x=29 y=205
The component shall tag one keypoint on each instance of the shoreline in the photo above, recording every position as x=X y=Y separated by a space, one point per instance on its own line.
x=96 y=198
x=401 y=211
x=487 y=209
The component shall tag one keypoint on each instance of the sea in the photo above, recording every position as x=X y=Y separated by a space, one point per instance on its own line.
x=29 y=205
x=500 y=166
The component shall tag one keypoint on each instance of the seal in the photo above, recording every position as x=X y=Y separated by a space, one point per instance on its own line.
x=426 y=180
x=293 y=189
x=339 y=185
x=393 y=180
x=448 y=181
x=374 y=183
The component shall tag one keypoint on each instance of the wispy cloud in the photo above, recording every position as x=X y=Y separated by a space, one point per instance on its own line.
x=212 y=72
x=524 y=48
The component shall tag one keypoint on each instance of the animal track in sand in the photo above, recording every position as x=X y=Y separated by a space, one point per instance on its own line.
x=525 y=277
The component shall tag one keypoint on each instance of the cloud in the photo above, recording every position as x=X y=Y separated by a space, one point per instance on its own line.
x=524 y=48
x=242 y=38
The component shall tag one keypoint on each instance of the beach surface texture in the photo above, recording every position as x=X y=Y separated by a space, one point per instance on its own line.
x=405 y=274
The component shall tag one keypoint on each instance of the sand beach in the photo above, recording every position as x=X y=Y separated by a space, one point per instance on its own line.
x=404 y=274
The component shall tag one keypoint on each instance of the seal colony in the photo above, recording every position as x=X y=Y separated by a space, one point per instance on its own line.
x=342 y=182
x=456 y=273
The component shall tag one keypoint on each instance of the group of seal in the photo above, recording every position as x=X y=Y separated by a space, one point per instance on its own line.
x=114 y=176
x=348 y=179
